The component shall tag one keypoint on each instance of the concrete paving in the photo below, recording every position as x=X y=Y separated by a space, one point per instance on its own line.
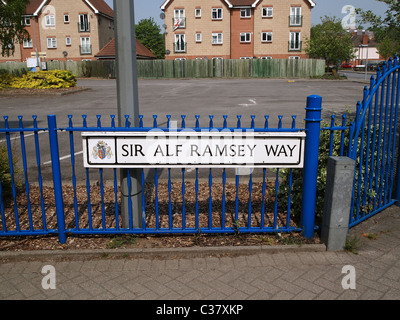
x=307 y=272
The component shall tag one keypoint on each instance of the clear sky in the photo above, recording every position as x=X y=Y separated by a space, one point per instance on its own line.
x=151 y=8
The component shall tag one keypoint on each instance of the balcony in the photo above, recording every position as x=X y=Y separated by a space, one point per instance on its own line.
x=295 y=45
x=84 y=27
x=295 y=21
x=86 y=49
x=180 y=47
x=178 y=23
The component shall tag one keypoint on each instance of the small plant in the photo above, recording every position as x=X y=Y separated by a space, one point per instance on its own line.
x=118 y=242
x=370 y=236
x=54 y=79
x=352 y=244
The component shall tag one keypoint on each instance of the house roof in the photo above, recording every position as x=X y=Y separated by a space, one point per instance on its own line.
x=98 y=6
x=109 y=51
x=236 y=3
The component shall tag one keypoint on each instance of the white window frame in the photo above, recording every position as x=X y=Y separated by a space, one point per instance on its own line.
x=217 y=58
x=218 y=37
x=51 y=43
x=247 y=37
x=246 y=58
x=294 y=58
x=68 y=41
x=219 y=14
x=180 y=37
x=28 y=43
x=179 y=14
x=197 y=13
x=245 y=13
x=26 y=21
x=198 y=37
x=66 y=20
x=50 y=20
x=295 y=16
x=85 y=42
x=266 y=58
x=180 y=59
x=292 y=38
x=267 y=12
x=266 y=33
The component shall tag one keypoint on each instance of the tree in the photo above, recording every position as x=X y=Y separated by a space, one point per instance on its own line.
x=329 y=41
x=149 y=33
x=12 y=29
x=386 y=29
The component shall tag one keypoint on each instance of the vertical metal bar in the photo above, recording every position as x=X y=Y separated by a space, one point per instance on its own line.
x=223 y=199
x=169 y=200
x=25 y=166
x=263 y=200
x=55 y=163
x=88 y=200
x=183 y=201
x=343 y=131
x=276 y=200
x=103 y=211
x=72 y=151
x=397 y=178
x=310 y=172
x=249 y=204
x=331 y=135
x=143 y=203
x=40 y=180
x=116 y=200
x=196 y=187
x=156 y=198
x=3 y=217
x=210 y=200
x=289 y=199
x=11 y=165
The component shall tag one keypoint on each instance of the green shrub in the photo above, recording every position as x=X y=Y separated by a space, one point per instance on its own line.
x=5 y=175
x=297 y=179
x=39 y=80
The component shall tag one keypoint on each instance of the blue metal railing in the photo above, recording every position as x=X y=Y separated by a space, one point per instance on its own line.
x=374 y=143
x=168 y=207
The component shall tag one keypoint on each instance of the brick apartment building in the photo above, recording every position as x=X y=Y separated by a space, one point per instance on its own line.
x=72 y=30
x=237 y=29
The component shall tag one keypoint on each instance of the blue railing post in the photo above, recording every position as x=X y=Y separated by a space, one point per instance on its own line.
x=310 y=172
x=55 y=163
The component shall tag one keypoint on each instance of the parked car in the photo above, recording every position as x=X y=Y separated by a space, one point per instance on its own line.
x=347 y=65
x=372 y=66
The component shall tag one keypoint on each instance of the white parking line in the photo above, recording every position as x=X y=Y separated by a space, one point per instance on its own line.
x=25 y=135
x=66 y=157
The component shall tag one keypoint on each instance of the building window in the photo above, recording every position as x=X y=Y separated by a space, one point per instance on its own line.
x=267 y=58
x=294 y=58
x=50 y=20
x=198 y=37
x=28 y=43
x=217 y=38
x=216 y=14
x=83 y=24
x=246 y=58
x=197 y=13
x=245 y=13
x=245 y=37
x=51 y=43
x=179 y=20
x=295 y=41
x=267 y=12
x=85 y=47
x=66 y=18
x=180 y=44
x=68 y=41
x=295 y=19
x=266 y=36
x=26 y=21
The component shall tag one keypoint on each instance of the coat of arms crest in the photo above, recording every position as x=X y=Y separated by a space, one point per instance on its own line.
x=102 y=150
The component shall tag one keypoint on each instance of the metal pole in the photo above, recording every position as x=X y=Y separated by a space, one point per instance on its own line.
x=310 y=172
x=55 y=164
x=128 y=104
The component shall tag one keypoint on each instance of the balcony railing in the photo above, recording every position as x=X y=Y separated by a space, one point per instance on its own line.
x=179 y=23
x=84 y=27
x=180 y=46
x=86 y=49
x=295 y=45
x=295 y=21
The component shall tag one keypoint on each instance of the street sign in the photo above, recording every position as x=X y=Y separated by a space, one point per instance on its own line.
x=188 y=149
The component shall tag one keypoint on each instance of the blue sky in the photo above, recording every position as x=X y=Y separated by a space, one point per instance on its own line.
x=151 y=8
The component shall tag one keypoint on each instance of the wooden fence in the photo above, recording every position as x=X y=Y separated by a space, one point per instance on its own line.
x=170 y=69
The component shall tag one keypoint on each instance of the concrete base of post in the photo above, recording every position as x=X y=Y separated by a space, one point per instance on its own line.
x=339 y=189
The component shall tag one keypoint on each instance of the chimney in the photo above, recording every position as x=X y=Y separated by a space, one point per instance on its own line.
x=365 y=39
